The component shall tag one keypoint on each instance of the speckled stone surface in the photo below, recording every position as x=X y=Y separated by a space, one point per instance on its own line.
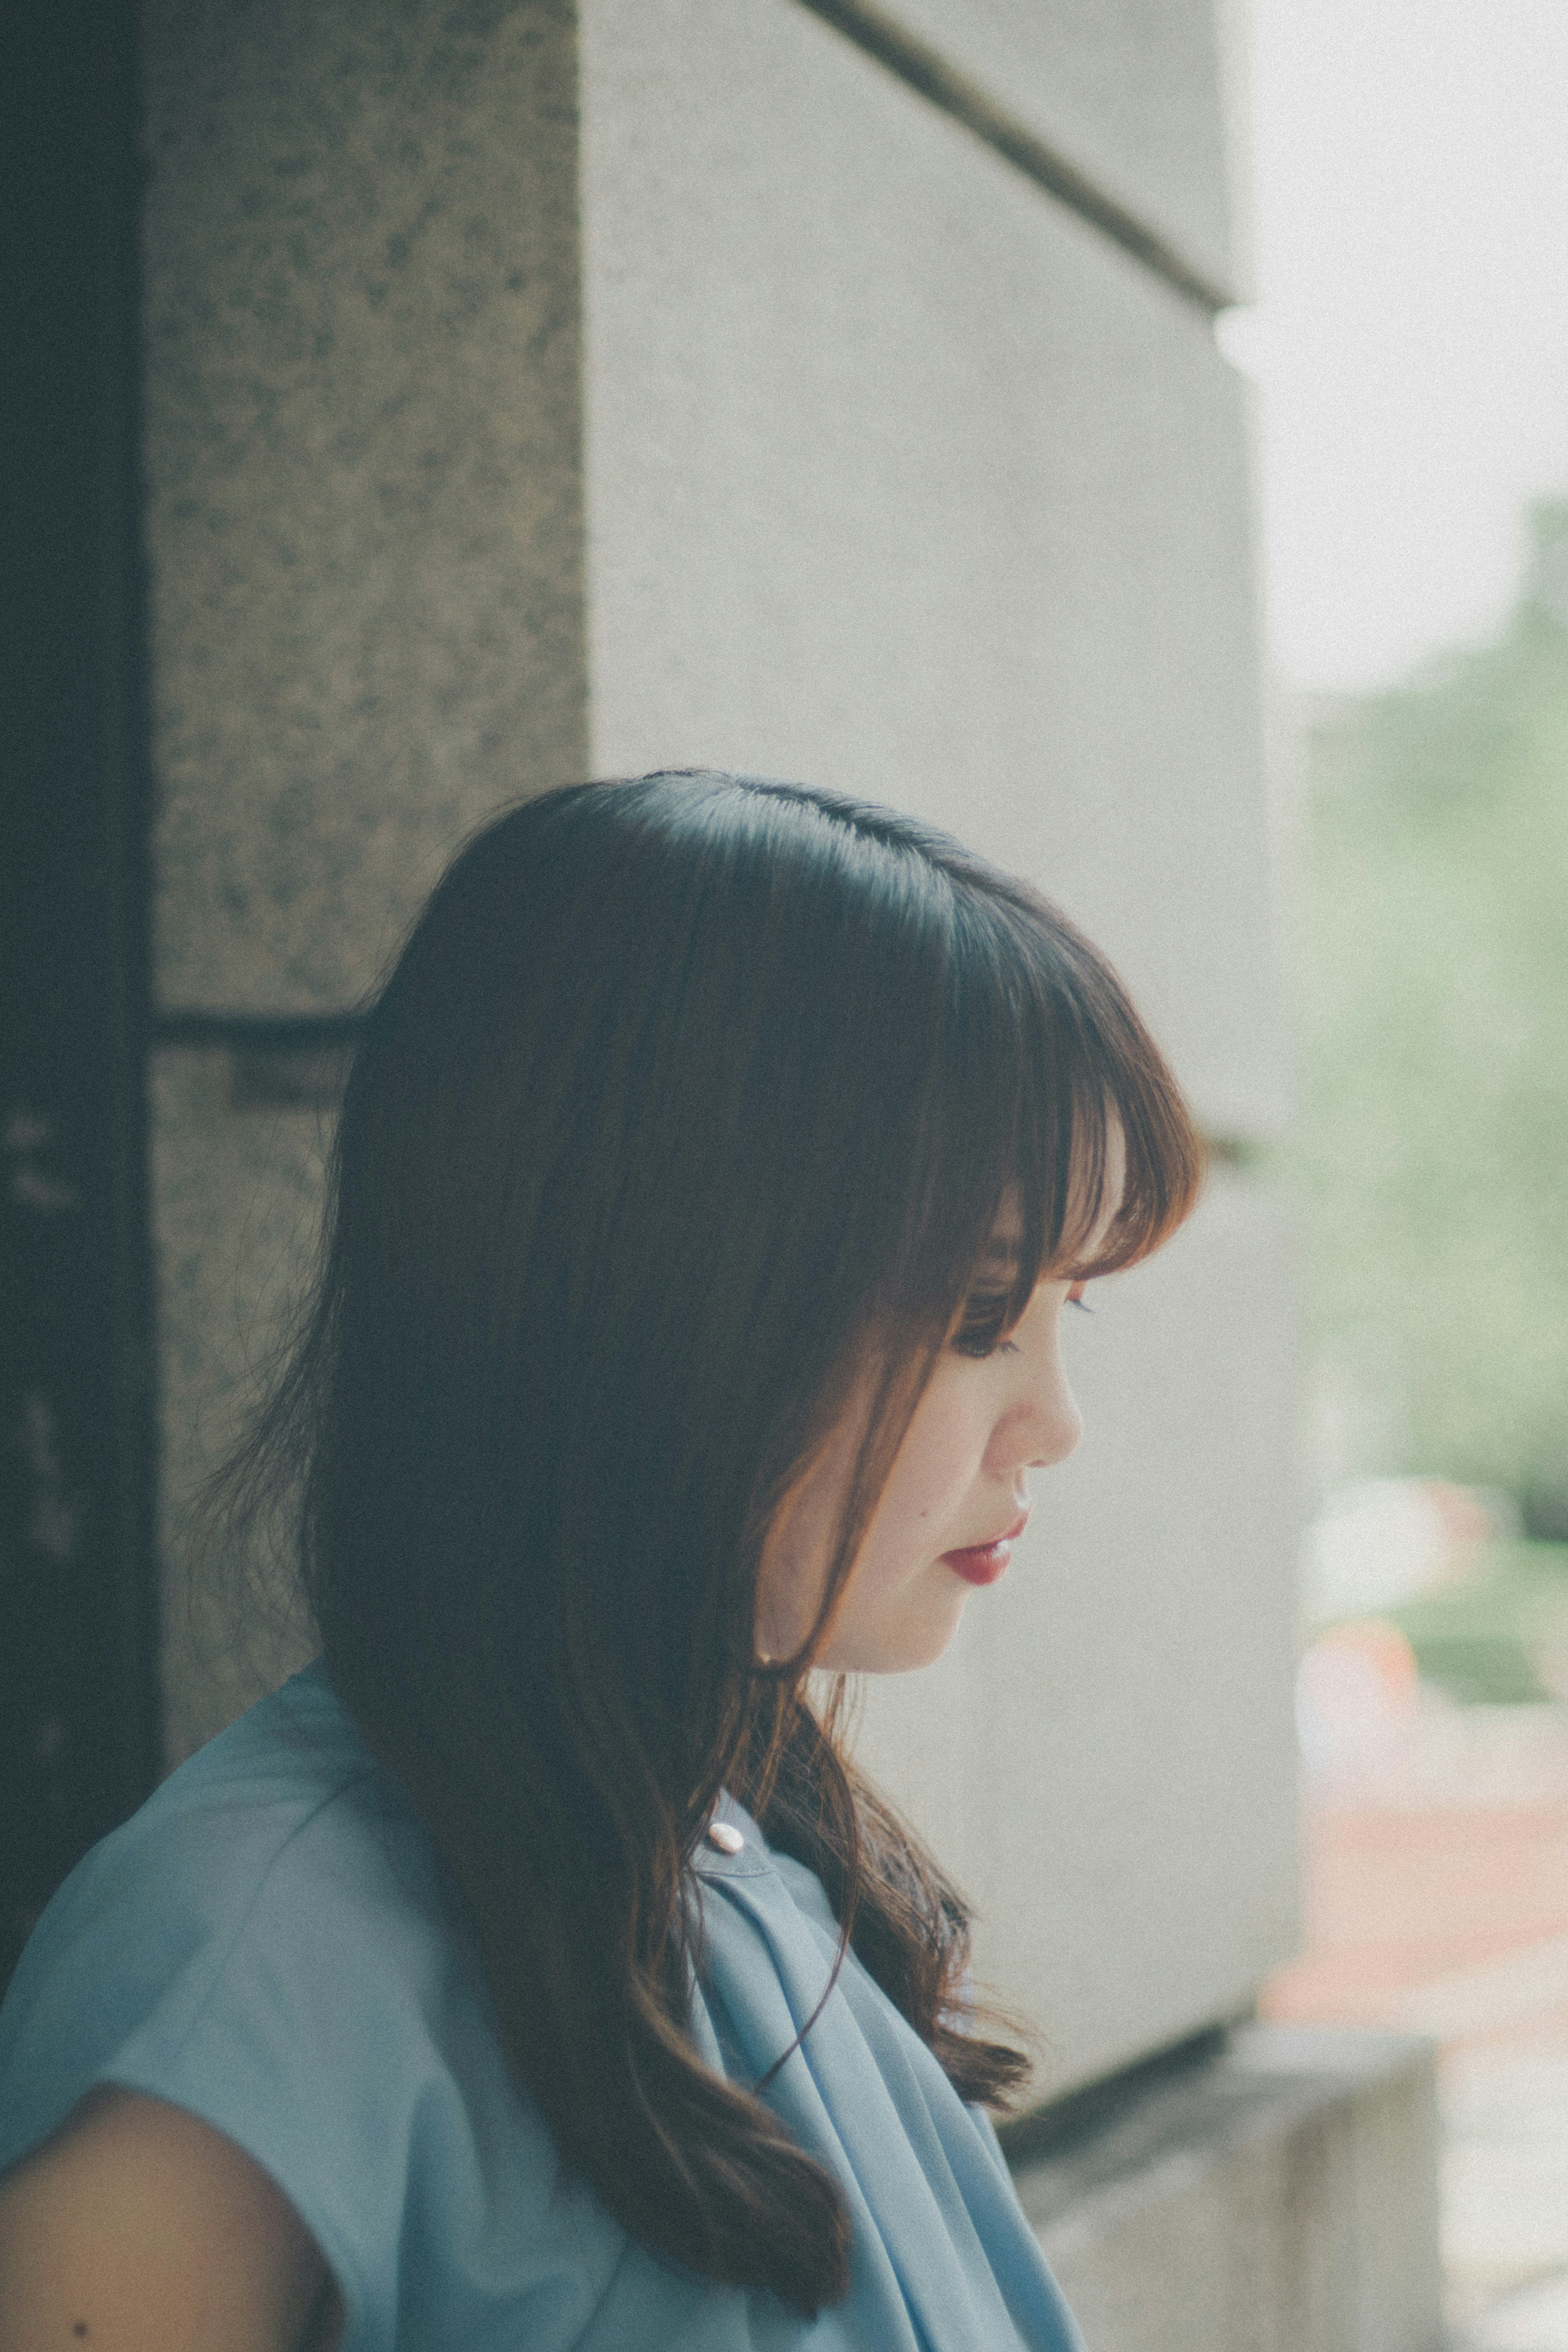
x=362 y=451
x=1106 y=1753
x=236 y=1207
x=1281 y=2196
x=894 y=475
x=901 y=478
x=1134 y=92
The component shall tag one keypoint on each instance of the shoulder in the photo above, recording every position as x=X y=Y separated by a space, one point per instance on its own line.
x=268 y=1946
x=137 y=2225
x=276 y=1838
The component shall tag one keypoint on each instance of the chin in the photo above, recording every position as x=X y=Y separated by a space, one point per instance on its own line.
x=899 y=1652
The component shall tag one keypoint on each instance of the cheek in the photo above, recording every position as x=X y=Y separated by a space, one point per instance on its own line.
x=793 y=1573
x=940 y=1457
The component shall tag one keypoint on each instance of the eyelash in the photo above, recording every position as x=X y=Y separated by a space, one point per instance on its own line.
x=982 y=1339
x=980 y=1334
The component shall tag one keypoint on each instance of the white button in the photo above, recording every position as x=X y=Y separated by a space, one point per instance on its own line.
x=726 y=1836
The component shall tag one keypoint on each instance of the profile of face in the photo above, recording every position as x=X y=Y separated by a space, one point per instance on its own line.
x=997 y=1405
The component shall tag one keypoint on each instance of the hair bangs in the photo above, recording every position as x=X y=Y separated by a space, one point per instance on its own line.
x=1095 y=1158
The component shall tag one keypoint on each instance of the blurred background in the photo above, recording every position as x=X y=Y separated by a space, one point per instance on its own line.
x=1410 y=347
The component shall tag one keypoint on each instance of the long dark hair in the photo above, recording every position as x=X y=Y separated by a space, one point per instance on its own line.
x=687 y=1098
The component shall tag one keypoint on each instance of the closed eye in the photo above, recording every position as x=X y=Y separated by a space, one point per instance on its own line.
x=986 y=1320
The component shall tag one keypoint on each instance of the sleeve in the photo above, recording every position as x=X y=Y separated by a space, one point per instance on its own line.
x=289 y=1975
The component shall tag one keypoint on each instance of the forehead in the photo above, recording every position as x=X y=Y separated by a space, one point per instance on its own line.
x=1089 y=1218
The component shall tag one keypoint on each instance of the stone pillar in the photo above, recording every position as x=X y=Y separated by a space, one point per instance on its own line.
x=535 y=391
x=901 y=476
x=1270 y=2192
x=364 y=519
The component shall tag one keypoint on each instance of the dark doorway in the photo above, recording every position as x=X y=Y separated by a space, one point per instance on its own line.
x=78 y=1711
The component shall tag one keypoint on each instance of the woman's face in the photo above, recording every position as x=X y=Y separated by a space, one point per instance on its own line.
x=997 y=1405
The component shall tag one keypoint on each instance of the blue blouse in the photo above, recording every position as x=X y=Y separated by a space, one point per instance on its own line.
x=267 y=1943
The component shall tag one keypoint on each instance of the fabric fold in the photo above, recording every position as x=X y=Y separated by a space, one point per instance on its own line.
x=272 y=1944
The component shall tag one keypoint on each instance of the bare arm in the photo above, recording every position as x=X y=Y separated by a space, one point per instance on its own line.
x=137 y=2228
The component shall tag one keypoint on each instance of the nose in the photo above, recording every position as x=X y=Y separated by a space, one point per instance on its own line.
x=1040 y=1426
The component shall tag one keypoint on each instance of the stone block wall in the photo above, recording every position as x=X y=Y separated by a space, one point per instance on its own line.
x=535 y=391
x=1272 y=2193
x=823 y=389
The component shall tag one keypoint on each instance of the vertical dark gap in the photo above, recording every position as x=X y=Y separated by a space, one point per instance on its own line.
x=79 y=1712
x=127 y=803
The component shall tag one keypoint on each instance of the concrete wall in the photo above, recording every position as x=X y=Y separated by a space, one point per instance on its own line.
x=362 y=461
x=532 y=392
x=364 y=546
x=1105 y=1753
x=238 y=1169
x=1275 y=2194
x=954 y=493
x=1136 y=92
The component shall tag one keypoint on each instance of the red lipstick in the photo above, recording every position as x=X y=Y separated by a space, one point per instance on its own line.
x=983 y=1563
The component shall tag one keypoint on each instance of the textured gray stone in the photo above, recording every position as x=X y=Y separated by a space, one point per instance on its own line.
x=237 y=1188
x=1132 y=91
x=361 y=454
x=818 y=441
x=900 y=478
x=898 y=475
x=1279 y=2197
x=1105 y=1758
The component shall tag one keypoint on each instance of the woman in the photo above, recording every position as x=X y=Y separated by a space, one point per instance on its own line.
x=716 y=1165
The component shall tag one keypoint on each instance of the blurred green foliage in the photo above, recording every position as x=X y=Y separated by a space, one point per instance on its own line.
x=1502 y=1635
x=1432 y=1157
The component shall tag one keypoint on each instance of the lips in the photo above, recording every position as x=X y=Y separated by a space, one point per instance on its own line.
x=983 y=1563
